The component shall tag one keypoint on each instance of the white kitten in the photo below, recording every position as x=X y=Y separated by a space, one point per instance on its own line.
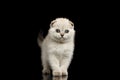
x=57 y=47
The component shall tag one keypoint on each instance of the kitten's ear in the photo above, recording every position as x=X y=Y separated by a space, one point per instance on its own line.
x=51 y=24
x=72 y=24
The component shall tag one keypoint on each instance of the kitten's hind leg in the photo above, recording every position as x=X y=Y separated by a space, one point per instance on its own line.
x=46 y=68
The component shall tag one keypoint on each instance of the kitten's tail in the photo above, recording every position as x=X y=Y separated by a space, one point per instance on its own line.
x=40 y=39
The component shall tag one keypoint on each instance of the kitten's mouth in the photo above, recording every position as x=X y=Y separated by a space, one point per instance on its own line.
x=63 y=39
x=60 y=38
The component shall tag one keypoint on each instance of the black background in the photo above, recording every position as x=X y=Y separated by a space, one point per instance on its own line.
x=90 y=59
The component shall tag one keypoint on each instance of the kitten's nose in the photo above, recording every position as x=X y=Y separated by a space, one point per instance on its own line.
x=62 y=35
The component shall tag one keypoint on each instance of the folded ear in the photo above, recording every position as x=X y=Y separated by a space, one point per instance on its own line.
x=51 y=24
x=72 y=24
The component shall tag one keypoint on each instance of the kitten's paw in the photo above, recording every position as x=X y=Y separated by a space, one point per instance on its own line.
x=57 y=73
x=60 y=78
x=64 y=73
x=46 y=71
x=57 y=78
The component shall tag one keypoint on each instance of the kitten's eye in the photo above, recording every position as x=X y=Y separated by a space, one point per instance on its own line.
x=57 y=30
x=66 y=31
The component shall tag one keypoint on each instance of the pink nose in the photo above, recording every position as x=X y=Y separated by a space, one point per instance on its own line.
x=62 y=35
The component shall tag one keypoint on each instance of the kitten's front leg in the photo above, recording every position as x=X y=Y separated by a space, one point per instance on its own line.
x=65 y=62
x=54 y=63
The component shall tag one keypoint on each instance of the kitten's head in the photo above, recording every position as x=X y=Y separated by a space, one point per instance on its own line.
x=61 y=30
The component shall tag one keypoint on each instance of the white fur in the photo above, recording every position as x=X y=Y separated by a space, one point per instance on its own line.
x=57 y=52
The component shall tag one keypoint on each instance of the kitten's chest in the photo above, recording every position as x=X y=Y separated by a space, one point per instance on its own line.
x=60 y=49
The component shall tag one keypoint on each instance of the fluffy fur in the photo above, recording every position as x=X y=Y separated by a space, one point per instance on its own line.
x=57 y=47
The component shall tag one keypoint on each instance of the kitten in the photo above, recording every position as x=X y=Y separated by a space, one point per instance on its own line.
x=57 y=47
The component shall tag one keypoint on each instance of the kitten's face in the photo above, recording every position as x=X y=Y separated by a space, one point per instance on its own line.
x=61 y=30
